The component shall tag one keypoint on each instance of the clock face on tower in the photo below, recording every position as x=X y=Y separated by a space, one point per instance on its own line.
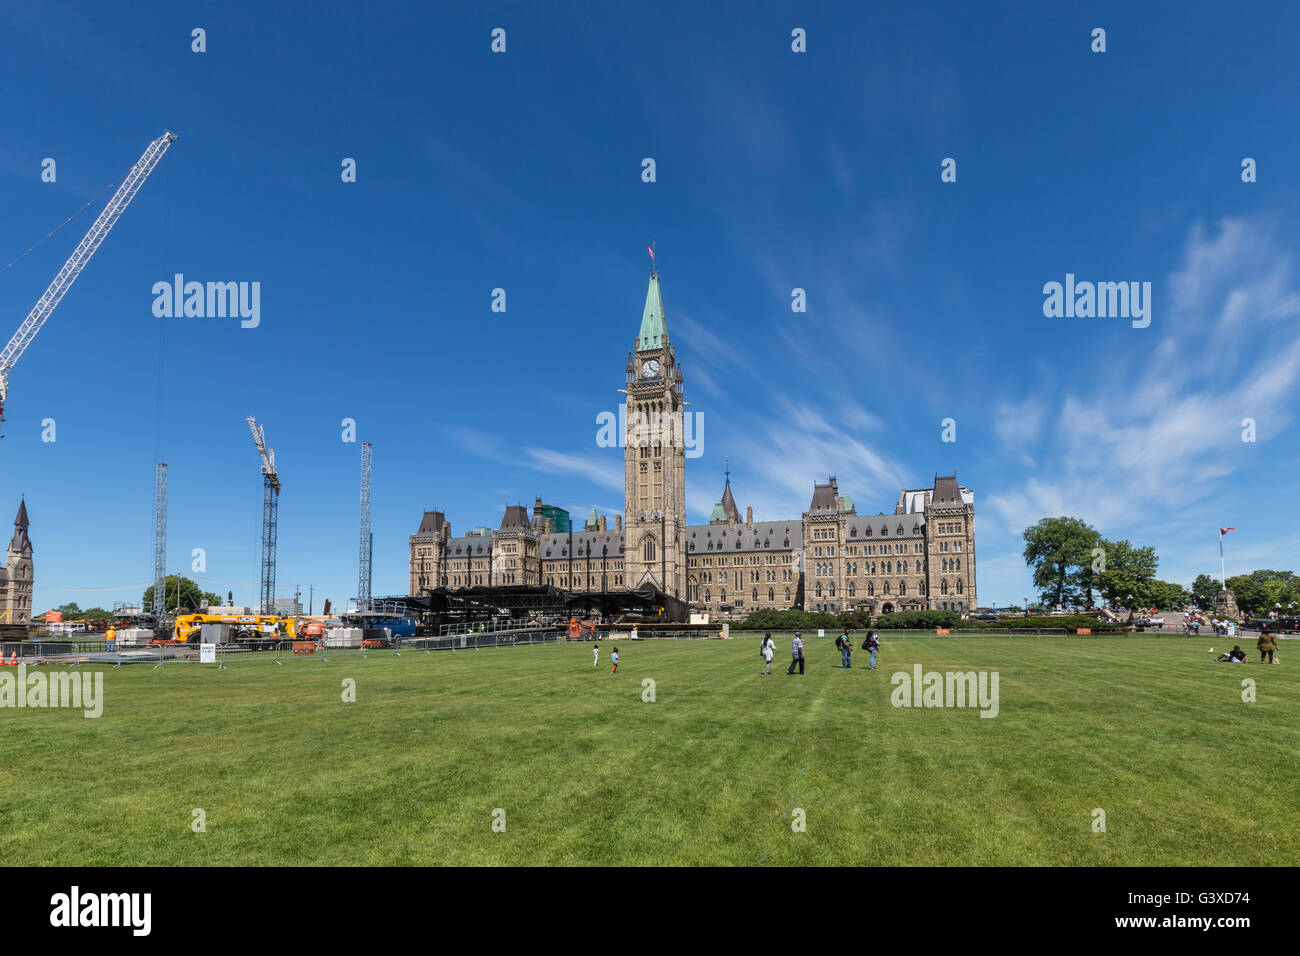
x=650 y=369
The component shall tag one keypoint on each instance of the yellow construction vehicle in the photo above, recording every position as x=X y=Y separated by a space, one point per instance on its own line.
x=260 y=629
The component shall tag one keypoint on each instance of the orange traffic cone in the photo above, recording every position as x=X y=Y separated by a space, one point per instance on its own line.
x=13 y=659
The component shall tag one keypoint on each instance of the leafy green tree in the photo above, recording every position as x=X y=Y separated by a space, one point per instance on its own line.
x=1262 y=591
x=1129 y=574
x=1203 y=590
x=1168 y=594
x=69 y=610
x=94 y=614
x=1059 y=550
x=181 y=593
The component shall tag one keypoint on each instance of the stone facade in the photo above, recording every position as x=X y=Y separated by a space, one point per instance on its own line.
x=16 y=575
x=830 y=559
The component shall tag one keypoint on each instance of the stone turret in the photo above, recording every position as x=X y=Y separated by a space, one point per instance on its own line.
x=16 y=577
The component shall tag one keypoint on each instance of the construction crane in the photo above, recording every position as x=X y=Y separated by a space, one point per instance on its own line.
x=270 y=507
x=367 y=539
x=90 y=243
x=160 y=546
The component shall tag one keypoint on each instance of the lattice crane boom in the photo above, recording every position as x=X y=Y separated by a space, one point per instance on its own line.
x=268 y=455
x=270 y=513
x=89 y=244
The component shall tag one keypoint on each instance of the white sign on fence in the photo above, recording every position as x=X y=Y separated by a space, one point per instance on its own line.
x=821 y=632
x=207 y=653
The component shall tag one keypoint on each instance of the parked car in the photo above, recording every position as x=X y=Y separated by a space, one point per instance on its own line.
x=988 y=617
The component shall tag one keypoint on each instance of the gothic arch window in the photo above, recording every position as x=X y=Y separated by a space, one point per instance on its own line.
x=959 y=585
x=902 y=588
x=817 y=592
x=871 y=589
x=787 y=594
x=755 y=594
x=853 y=589
x=943 y=586
x=648 y=548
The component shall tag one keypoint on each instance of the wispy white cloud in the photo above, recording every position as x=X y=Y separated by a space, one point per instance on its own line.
x=1164 y=435
x=606 y=471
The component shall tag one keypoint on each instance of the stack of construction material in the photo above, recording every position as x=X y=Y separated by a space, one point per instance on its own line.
x=343 y=637
x=134 y=636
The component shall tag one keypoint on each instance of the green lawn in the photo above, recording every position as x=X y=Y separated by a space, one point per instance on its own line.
x=1147 y=729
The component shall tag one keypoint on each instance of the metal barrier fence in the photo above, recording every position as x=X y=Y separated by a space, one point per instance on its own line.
x=75 y=653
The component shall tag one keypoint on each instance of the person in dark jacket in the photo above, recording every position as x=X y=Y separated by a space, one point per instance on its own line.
x=1234 y=656
x=871 y=644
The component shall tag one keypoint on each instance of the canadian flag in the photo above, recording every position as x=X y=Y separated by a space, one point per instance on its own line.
x=1223 y=531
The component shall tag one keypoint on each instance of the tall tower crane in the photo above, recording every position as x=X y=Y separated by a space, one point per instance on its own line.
x=270 y=508
x=160 y=545
x=367 y=539
x=90 y=243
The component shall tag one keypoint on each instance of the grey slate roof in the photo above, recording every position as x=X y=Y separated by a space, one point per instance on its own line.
x=884 y=525
x=557 y=545
x=479 y=547
x=766 y=536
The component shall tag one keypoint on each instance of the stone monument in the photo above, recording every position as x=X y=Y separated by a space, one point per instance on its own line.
x=1225 y=606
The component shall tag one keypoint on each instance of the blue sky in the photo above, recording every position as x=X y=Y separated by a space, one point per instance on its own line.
x=775 y=170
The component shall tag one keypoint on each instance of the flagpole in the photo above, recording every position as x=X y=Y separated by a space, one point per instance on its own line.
x=1223 y=575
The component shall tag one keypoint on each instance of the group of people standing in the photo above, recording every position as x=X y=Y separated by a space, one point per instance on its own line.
x=870 y=643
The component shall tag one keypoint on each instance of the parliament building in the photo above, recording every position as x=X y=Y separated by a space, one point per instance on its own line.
x=830 y=558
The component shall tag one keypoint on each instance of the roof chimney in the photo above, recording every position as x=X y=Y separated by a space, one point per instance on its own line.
x=602 y=524
x=618 y=524
x=749 y=517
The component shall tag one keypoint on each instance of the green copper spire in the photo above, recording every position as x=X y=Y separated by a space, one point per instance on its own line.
x=654 y=328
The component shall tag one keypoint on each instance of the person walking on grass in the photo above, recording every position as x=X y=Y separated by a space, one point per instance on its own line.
x=871 y=644
x=1267 y=644
x=846 y=649
x=614 y=657
x=767 y=649
x=796 y=650
x=595 y=655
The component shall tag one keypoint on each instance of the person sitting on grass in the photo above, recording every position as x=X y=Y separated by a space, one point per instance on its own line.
x=1234 y=656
